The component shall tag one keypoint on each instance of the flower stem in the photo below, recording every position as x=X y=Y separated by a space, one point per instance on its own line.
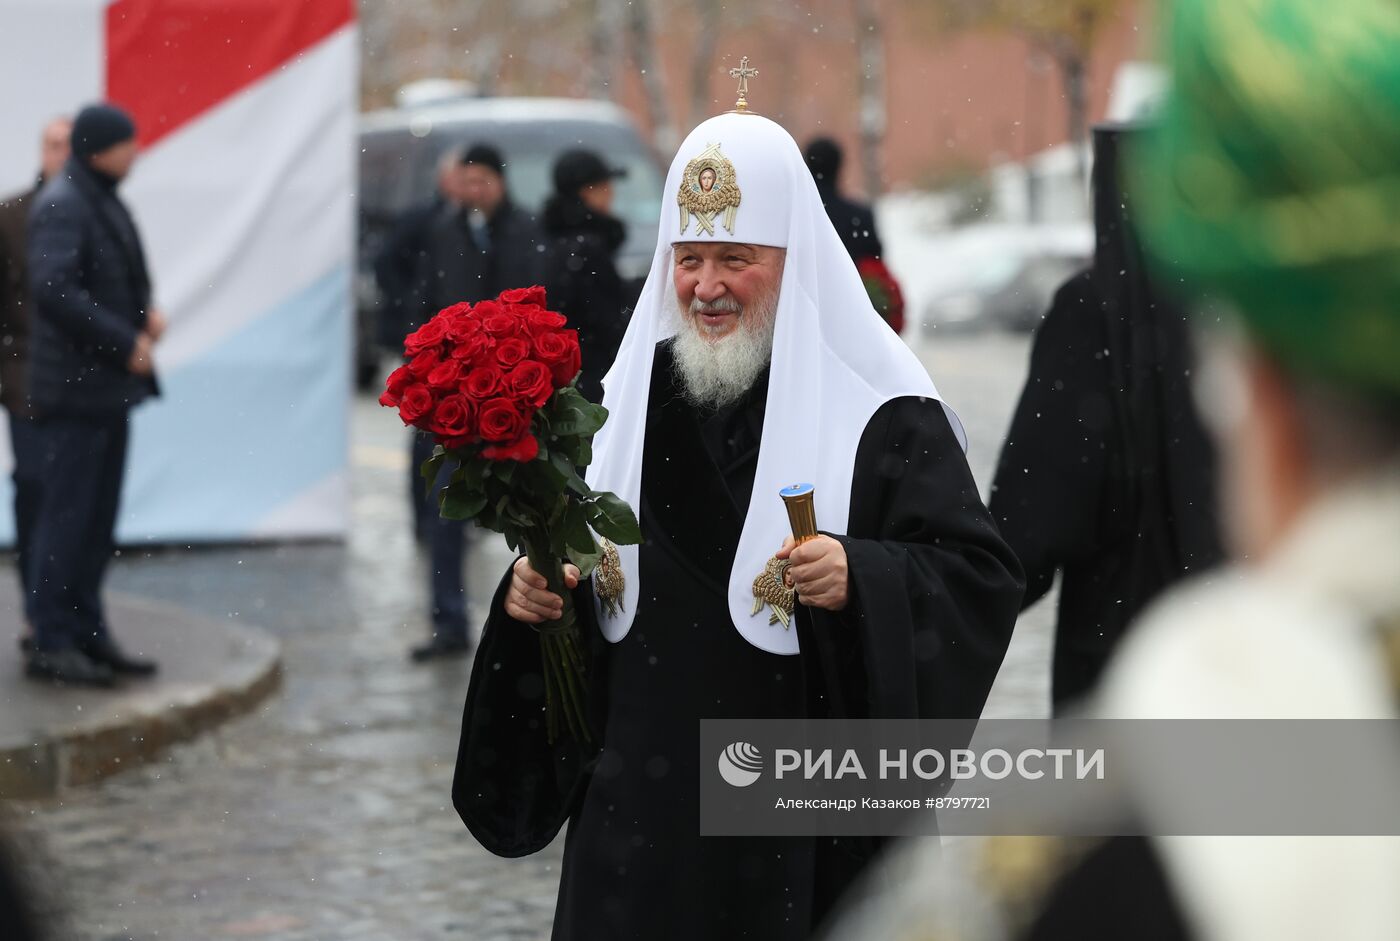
x=565 y=673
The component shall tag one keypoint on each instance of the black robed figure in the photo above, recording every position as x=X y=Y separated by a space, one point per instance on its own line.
x=904 y=608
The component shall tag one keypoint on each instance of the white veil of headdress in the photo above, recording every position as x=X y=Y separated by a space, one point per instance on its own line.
x=835 y=362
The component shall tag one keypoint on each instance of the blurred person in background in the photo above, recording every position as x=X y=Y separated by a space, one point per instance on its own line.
x=855 y=224
x=476 y=245
x=93 y=332
x=1279 y=208
x=14 y=350
x=404 y=275
x=1107 y=475
x=582 y=282
x=401 y=267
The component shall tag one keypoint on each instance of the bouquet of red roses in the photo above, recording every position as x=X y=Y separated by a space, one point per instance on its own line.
x=494 y=383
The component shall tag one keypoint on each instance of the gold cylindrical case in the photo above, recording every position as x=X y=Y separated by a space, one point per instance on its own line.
x=802 y=510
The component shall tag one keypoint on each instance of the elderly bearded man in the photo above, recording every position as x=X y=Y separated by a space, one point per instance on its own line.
x=753 y=359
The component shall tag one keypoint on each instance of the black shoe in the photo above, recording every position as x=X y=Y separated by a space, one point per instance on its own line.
x=68 y=666
x=105 y=651
x=440 y=647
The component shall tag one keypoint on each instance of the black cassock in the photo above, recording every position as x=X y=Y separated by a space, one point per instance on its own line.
x=934 y=595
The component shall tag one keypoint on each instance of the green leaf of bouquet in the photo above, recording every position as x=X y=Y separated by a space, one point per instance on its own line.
x=575 y=420
x=568 y=470
x=569 y=396
x=586 y=561
x=613 y=518
x=580 y=546
x=552 y=474
x=576 y=532
x=512 y=534
x=432 y=467
x=461 y=503
x=471 y=472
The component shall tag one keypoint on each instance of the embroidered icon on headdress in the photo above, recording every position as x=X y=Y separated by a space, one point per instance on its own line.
x=709 y=187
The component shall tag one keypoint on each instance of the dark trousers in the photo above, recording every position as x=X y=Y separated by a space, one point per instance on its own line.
x=447 y=546
x=27 y=478
x=81 y=462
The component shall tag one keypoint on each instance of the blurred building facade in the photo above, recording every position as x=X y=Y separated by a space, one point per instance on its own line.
x=954 y=100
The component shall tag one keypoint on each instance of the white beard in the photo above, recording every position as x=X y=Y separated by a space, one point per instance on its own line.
x=717 y=371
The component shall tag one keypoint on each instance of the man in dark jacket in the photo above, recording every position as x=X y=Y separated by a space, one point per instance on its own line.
x=854 y=222
x=14 y=348
x=93 y=333
x=472 y=250
x=400 y=265
x=582 y=281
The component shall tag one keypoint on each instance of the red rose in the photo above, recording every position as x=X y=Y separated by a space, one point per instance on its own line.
x=509 y=352
x=531 y=295
x=453 y=417
x=482 y=382
x=530 y=382
x=428 y=335
x=485 y=309
x=462 y=326
x=417 y=402
x=525 y=449
x=501 y=419
x=443 y=376
x=423 y=363
x=454 y=444
x=475 y=348
x=399 y=380
x=502 y=325
x=559 y=351
x=538 y=321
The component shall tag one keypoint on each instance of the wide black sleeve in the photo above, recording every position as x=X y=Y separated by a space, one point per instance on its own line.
x=1053 y=471
x=511 y=787
x=934 y=588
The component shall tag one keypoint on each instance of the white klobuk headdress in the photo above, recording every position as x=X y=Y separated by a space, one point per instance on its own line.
x=835 y=361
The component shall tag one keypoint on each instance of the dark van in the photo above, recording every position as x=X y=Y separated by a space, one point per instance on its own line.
x=400 y=148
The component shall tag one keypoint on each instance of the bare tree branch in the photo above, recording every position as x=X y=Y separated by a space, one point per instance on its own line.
x=870 y=42
x=643 y=49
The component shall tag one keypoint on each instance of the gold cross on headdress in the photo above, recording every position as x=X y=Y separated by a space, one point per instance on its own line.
x=743 y=73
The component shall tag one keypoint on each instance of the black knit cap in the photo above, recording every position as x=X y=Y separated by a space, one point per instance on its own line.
x=100 y=126
x=576 y=169
x=486 y=155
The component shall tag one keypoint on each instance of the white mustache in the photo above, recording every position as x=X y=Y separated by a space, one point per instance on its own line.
x=724 y=305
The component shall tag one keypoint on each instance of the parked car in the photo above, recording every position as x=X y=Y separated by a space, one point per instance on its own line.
x=400 y=148
x=992 y=275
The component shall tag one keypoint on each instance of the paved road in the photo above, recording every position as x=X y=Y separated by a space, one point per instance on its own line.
x=326 y=815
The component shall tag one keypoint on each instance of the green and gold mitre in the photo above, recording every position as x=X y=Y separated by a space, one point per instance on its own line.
x=1272 y=179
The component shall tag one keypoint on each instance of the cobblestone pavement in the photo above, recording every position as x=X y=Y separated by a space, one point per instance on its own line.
x=327 y=814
